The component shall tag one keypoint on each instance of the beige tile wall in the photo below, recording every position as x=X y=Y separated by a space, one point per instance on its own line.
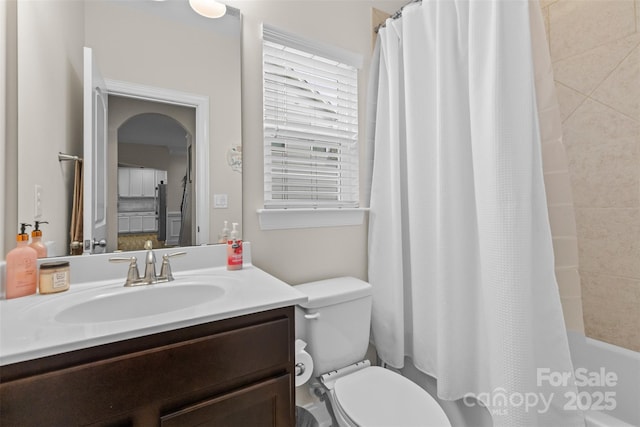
x=595 y=51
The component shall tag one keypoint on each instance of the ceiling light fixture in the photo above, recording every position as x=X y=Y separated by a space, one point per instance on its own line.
x=208 y=8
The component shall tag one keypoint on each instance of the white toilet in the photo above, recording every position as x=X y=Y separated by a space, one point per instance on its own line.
x=335 y=323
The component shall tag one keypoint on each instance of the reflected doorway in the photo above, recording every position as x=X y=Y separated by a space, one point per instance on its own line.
x=154 y=154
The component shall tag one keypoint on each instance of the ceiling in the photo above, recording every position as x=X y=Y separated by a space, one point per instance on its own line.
x=153 y=129
x=179 y=10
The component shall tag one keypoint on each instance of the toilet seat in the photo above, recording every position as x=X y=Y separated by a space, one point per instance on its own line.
x=375 y=396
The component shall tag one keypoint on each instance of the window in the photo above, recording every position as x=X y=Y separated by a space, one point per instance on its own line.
x=310 y=124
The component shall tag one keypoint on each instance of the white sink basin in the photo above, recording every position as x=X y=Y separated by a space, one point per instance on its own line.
x=141 y=301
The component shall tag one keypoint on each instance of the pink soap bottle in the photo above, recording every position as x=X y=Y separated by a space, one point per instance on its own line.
x=22 y=267
x=234 y=250
x=36 y=240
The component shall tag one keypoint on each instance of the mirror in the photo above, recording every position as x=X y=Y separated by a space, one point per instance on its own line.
x=163 y=45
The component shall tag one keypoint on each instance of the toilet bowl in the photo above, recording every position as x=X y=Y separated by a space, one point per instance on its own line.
x=335 y=324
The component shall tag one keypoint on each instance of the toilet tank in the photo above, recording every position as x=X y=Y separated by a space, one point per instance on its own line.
x=335 y=322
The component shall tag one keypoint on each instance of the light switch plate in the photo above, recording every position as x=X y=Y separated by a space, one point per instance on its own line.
x=220 y=201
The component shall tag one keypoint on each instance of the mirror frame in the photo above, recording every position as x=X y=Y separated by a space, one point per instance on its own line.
x=201 y=138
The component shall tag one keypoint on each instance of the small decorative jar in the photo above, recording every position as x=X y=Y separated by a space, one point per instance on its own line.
x=76 y=248
x=54 y=277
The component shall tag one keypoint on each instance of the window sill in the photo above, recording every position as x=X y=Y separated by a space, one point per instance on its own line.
x=281 y=219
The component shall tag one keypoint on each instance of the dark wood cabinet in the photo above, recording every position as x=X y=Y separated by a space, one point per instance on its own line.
x=233 y=372
x=258 y=405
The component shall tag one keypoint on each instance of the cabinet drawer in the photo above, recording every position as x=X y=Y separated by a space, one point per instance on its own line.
x=266 y=404
x=178 y=373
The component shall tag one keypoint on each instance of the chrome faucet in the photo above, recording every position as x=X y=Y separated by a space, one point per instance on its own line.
x=150 y=277
x=149 y=264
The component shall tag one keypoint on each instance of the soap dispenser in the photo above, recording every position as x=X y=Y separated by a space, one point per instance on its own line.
x=36 y=240
x=22 y=267
x=234 y=249
x=224 y=235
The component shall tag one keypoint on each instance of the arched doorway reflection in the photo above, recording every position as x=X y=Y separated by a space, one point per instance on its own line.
x=155 y=185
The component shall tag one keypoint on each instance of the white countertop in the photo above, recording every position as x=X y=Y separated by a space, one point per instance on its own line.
x=29 y=329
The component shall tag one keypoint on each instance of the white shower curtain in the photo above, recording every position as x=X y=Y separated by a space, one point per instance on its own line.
x=460 y=253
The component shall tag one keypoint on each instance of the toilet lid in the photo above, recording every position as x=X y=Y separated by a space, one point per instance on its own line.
x=375 y=396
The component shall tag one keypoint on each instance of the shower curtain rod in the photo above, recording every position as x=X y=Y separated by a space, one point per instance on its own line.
x=397 y=14
x=63 y=157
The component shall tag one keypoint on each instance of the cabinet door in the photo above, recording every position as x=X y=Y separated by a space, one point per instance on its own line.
x=174 y=223
x=135 y=223
x=135 y=182
x=149 y=223
x=266 y=404
x=148 y=182
x=123 y=224
x=123 y=182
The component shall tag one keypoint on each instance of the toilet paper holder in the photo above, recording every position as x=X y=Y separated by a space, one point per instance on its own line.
x=303 y=368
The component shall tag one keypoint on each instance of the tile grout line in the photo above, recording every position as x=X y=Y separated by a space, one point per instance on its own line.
x=564 y=58
x=589 y=95
x=617 y=276
x=615 y=68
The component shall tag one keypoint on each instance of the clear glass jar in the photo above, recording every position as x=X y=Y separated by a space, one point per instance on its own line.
x=54 y=277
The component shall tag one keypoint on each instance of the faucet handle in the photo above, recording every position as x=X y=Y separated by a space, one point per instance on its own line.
x=132 y=275
x=165 y=270
x=174 y=254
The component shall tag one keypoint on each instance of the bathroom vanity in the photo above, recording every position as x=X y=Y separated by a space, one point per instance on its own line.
x=235 y=372
x=227 y=360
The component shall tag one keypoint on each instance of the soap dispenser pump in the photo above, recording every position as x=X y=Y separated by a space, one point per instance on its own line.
x=36 y=240
x=21 y=267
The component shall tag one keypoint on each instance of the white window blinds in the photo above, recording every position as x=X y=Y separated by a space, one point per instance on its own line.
x=310 y=125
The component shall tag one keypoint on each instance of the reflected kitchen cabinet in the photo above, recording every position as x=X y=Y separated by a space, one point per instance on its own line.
x=139 y=182
x=124 y=176
x=142 y=183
